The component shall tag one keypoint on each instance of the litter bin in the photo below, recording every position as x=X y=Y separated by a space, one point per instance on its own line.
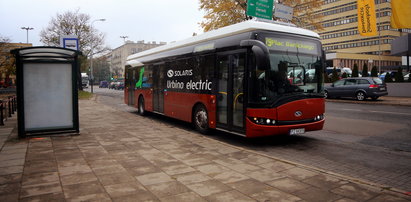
x=47 y=97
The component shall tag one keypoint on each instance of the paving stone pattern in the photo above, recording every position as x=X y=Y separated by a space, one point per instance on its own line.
x=120 y=156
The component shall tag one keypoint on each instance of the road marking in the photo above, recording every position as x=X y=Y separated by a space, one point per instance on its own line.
x=382 y=112
x=399 y=113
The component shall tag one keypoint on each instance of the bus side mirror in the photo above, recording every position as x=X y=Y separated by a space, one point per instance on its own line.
x=260 y=51
x=261 y=59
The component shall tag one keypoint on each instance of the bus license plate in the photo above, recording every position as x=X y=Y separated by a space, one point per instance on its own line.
x=297 y=131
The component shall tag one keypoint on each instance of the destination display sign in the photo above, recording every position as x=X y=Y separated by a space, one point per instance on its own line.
x=291 y=45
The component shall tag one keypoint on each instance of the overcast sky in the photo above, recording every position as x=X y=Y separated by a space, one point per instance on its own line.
x=149 y=20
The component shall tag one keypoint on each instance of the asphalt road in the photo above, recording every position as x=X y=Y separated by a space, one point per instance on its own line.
x=371 y=143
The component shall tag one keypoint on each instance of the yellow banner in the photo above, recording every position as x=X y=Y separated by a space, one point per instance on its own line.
x=401 y=14
x=367 y=25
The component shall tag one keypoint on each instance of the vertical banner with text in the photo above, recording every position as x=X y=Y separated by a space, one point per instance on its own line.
x=367 y=25
x=401 y=14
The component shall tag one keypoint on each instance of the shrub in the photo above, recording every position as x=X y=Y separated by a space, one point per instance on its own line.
x=399 y=77
x=374 y=71
x=335 y=76
x=355 y=71
x=365 y=70
x=388 y=78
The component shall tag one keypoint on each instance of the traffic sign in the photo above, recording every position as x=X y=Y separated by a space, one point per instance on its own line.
x=260 y=8
x=283 y=11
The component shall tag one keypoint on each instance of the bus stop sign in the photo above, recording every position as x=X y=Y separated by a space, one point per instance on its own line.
x=260 y=8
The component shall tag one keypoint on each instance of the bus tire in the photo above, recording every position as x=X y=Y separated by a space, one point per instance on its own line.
x=200 y=119
x=141 y=108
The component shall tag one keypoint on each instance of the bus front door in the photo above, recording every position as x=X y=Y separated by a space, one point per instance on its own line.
x=230 y=95
x=158 y=88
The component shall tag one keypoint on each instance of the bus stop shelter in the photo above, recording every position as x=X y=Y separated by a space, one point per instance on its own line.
x=47 y=96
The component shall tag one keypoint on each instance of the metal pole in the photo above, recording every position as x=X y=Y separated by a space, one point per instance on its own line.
x=124 y=38
x=379 y=38
x=27 y=34
x=91 y=56
x=91 y=71
x=1 y=113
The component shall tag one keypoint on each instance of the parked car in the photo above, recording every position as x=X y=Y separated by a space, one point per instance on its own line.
x=103 y=84
x=112 y=85
x=119 y=85
x=392 y=74
x=406 y=77
x=358 y=87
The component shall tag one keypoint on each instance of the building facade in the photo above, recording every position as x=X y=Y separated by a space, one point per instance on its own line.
x=7 y=62
x=343 y=44
x=117 y=57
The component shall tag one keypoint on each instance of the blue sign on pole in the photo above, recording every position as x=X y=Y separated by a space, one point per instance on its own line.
x=70 y=42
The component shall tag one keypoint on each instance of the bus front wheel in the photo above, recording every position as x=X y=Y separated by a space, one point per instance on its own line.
x=200 y=119
x=141 y=109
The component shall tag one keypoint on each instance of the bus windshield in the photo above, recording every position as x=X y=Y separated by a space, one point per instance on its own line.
x=289 y=74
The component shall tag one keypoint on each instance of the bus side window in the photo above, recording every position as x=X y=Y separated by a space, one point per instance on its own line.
x=147 y=77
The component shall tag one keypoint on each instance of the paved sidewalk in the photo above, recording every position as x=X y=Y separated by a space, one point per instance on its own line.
x=121 y=156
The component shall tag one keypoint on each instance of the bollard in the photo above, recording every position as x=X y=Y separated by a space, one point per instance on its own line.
x=1 y=113
x=15 y=103
x=9 y=106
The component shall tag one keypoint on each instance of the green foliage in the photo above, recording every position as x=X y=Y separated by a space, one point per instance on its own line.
x=221 y=13
x=399 y=77
x=355 y=71
x=374 y=71
x=365 y=70
x=83 y=95
x=344 y=75
x=335 y=76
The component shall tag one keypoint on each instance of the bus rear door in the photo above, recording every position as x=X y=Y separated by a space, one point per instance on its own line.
x=159 y=85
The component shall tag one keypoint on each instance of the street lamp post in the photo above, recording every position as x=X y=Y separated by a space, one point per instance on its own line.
x=124 y=38
x=91 y=55
x=27 y=29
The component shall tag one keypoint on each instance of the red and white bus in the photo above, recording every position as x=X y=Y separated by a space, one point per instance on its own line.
x=253 y=79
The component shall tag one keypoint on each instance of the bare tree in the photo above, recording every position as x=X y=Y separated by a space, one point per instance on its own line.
x=74 y=23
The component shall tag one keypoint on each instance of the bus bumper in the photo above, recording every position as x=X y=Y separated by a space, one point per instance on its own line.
x=254 y=130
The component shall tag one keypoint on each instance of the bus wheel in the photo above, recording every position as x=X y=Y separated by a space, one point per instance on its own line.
x=141 y=109
x=200 y=119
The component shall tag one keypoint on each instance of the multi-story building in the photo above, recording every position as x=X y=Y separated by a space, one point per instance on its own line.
x=343 y=44
x=117 y=57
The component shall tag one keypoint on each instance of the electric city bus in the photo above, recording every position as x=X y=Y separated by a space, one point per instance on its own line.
x=252 y=79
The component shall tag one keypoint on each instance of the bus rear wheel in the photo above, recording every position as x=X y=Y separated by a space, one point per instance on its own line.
x=141 y=108
x=200 y=119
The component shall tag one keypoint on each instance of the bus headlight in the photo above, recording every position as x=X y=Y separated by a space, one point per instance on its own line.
x=262 y=121
x=319 y=117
